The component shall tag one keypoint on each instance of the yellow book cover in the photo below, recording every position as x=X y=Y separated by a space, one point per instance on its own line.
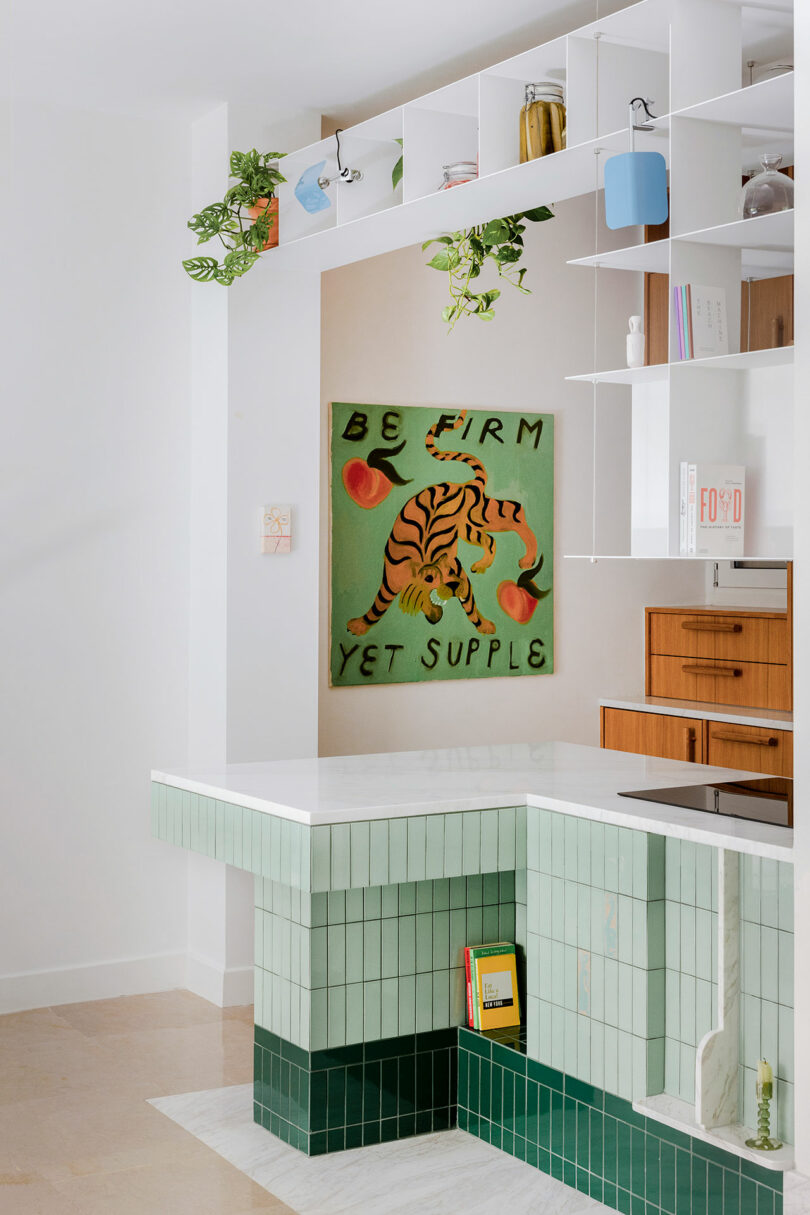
x=498 y=1003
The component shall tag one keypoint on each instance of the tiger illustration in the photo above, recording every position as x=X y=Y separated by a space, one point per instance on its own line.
x=421 y=564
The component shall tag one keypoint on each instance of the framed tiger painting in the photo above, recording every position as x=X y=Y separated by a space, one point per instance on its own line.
x=442 y=530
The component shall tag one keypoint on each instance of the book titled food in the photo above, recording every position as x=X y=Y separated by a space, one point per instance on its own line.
x=712 y=510
x=492 y=992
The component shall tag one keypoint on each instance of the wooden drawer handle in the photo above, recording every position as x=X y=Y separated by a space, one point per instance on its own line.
x=756 y=740
x=689 y=739
x=724 y=672
x=711 y=626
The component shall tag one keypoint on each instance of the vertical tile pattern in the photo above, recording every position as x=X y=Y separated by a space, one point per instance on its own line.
x=595 y=952
x=767 y=965
x=594 y=1141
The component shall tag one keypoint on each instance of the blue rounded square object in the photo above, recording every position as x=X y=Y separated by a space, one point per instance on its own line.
x=636 y=189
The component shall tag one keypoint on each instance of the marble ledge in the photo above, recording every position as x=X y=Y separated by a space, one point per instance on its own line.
x=731 y=715
x=680 y=1115
x=569 y=778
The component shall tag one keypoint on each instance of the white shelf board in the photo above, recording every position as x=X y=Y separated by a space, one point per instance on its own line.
x=595 y=557
x=681 y=1117
x=652 y=258
x=746 y=361
x=763 y=232
x=765 y=106
x=567 y=174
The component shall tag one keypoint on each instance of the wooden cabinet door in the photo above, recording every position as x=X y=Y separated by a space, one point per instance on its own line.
x=658 y=734
x=752 y=748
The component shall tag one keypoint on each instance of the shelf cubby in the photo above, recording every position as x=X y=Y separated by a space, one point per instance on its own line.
x=294 y=220
x=439 y=129
x=502 y=95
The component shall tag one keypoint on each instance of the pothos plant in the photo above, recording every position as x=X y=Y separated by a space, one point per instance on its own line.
x=242 y=221
x=464 y=255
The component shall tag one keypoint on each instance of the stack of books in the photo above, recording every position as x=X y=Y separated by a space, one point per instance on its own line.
x=492 y=991
x=700 y=321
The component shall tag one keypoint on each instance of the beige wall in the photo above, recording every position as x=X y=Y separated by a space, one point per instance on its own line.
x=384 y=341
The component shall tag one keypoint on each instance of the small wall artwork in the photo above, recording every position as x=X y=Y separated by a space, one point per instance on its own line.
x=442 y=544
x=276 y=529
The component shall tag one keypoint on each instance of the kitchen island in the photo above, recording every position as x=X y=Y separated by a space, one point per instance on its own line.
x=637 y=926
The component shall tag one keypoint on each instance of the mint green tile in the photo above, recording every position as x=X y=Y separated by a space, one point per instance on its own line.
x=317 y=910
x=687 y=1072
x=571 y=1043
x=441 y=999
x=625 y=996
x=625 y=924
x=611 y=1060
x=520 y=885
x=584 y=1049
x=489 y=840
x=372 y=1011
x=336 y=1004
x=424 y=896
x=434 y=846
x=597 y=916
x=597 y=1053
x=556 y=987
x=407 y=898
x=475 y=926
x=610 y=922
x=304 y=860
x=336 y=907
x=458 y=936
x=688 y=872
x=570 y=992
x=641 y=864
x=441 y=894
x=453 y=827
x=672 y=869
x=267 y=956
x=597 y=842
x=441 y=941
x=336 y=954
x=571 y=907
x=557 y=1037
x=770 y=893
x=360 y=854
x=628 y=1082
x=321 y=858
x=544 y=819
x=654 y=1067
x=286 y=848
x=597 y=987
x=533 y=846
x=390 y=948
x=583 y=976
x=475 y=890
x=538 y=966
x=491 y=922
x=491 y=884
x=538 y=900
x=340 y=876
x=769 y=963
x=557 y=908
x=458 y=893
x=656 y=867
x=705 y=858
x=354 y=953
x=626 y=860
x=304 y=945
x=390 y=901
x=611 y=858
x=407 y=944
x=407 y=1004
x=785 y=1120
x=688 y=1010
x=397 y=850
x=229 y=814
x=785 y=896
x=769 y=1030
x=354 y=905
x=372 y=903
x=175 y=806
x=584 y=917
x=424 y=1002
x=520 y=836
x=471 y=842
x=750 y=945
x=318 y=1020
x=507 y=825
x=389 y=1027
x=256 y=844
x=784 y=1066
x=688 y=942
x=558 y=845
x=571 y=847
x=378 y=853
x=786 y=969
x=520 y=924
x=295 y=903
x=704 y=934
x=424 y=942
x=354 y=1013
x=258 y=936
x=584 y=851
x=416 y=848
x=750 y=1030
x=703 y=1009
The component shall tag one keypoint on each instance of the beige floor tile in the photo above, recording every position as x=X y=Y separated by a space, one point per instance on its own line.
x=28 y=1194
x=161 y=1010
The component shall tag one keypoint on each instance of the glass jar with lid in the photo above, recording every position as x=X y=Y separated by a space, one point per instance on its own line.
x=458 y=172
x=768 y=191
x=542 y=120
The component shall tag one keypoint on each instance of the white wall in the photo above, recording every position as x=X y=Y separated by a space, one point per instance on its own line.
x=93 y=571
x=384 y=341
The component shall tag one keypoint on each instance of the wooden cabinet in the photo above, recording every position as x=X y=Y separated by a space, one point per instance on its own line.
x=720 y=657
x=750 y=747
x=658 y=734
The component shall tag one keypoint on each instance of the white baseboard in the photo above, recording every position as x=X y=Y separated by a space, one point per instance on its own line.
x=101 y=981
x=224 y=988
x=126 y=977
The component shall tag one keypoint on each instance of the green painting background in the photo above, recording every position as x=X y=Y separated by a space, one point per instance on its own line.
x=359 y=536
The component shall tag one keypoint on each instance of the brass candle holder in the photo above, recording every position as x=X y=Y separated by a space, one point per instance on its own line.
x=763 y=1141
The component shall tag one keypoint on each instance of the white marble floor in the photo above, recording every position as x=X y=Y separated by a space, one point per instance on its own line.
x=440 y=1174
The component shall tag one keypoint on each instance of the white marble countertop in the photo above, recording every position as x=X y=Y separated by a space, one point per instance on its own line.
x=769 y=719
x=573 y=779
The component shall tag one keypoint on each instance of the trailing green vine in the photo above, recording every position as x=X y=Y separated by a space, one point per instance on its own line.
x=464 y=255
x=242 y=221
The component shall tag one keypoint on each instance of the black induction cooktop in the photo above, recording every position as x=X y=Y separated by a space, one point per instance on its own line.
x=769 y=800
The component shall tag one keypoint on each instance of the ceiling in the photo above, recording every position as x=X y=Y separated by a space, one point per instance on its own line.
x=343 y=58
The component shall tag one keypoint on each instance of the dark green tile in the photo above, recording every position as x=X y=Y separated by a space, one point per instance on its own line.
x=699 y=1185
x=354 y=1136
x=463 y=1076
x=509 y=1058
x=624 y=1112
x=532 y=1111
x=336 y=1139
x=354 y=1094
x=748 y=1196
x=371 y=1092
x=714 y=1189
x=336 y=1099
x=609 y=1194
x=388 y=1130
x=388 y=1048
x=269 y=1041
x=731 y=1193
x=765 y=1201
x=766 y=1177
x=337 y=1056
x=519 y=1149
x=652 y=1170
x=317 y=1101
x=709 y=1152
x=667 y=1191
x=496 y=1095
x=473 y=1083
x=543 y=1160
x=638 y=1162
x=507 y=1141
x=508 y=1101
x=610 y=1149
x=317 y=1143
x=583 y=1181
x=495 y=1135
x=294 y=1054
x=597 y=1130
x=624 y=1163
x=624 y=1201
x=520 y=1106
x=637 y=1205
x=485 y=1088
x=389 y=1087
x=584 y=1092
x=371 y=1133
x=569 y=1129
x=668 y=1134
x=569 y=1173
x=407 y=1084
x=583 y=1136
x=545 y=1075
x=683 y=1183
x=476 y=1044
x=424 y=1081
x=484 y=1126
x=556 y=1166
x=441 y=1078
x=406 y=1125
x=441 y=1119
x=597 y=1187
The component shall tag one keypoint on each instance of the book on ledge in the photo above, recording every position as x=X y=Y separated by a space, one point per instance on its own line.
x=712 y=510
x=492 y=991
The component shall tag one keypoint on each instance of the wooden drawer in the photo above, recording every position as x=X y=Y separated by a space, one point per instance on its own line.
x=751 y=747
x=700 y=635
x=658 y=734
x=765 y=685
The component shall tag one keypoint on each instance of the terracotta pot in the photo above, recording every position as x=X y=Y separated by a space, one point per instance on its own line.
x=260 y=206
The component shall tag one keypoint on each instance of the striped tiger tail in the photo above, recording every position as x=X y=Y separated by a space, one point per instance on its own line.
x=462 y=456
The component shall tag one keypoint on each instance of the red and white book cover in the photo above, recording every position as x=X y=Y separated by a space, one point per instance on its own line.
x=716 y=515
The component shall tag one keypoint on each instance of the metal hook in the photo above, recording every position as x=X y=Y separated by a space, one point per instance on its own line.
x=347 y=175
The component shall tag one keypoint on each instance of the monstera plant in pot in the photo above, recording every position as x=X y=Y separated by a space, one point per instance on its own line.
x=246 y=221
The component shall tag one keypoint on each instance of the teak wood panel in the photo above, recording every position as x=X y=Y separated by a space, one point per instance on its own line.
x=658 y=734
x=751 y=747
x=656 y=319
x=770 y=301
x=723 y=636
x=762 y=684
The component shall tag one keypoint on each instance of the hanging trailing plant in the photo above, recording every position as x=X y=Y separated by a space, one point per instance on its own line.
x=464 y=255
x=246 y=221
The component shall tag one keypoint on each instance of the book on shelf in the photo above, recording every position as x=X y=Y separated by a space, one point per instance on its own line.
x=712 y=510
x=701 y=321
x=492 y=992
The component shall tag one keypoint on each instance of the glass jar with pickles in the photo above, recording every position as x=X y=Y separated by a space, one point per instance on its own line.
x=542 y=121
